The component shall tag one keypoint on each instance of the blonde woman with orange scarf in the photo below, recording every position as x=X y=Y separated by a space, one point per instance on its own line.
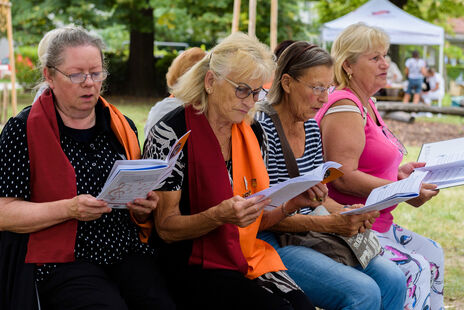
x=209 y=229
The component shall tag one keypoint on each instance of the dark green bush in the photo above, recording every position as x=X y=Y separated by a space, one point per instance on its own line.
x=161 y=68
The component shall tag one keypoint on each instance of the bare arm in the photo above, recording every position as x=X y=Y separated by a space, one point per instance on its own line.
x=172 y=226
x=313 y=197
x=343 y=140
x=345 y=225
x=22 y=216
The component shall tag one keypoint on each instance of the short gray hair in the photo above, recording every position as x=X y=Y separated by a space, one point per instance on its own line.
x=54 y=42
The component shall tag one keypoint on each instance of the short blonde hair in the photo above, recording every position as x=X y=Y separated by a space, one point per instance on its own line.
x=238 y=53
x=182 y=63
x=351 y=43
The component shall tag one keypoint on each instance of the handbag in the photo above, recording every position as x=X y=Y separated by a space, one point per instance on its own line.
x=351 y=251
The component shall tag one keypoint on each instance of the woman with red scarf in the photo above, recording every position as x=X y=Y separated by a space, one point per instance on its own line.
x=56 y=156
x=208 y=228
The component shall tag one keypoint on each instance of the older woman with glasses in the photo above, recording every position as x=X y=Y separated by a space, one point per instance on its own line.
x=354 y=134
x=56 y=156
x=208 y=227
x=301 y=83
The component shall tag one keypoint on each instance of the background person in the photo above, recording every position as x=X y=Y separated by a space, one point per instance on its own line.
x=55 y=160
x=371 y=156
x=179 y=66
x=437 y=87
x=213 y=257
x=415 y=69
x=303 y=77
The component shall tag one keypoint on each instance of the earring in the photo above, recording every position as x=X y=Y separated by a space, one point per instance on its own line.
x=350 y=76
x=209 y=90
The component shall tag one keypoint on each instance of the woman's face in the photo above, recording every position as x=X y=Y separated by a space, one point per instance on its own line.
x=307 y=93
x=80 y=98
x=224 y=102
x=370 y=71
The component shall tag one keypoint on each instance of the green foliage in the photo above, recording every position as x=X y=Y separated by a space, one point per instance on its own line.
x=437 y=12
x=27 y=72
x=454 y=71
x=161 y=68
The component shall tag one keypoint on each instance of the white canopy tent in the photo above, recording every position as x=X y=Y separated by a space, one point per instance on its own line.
x=403 y=28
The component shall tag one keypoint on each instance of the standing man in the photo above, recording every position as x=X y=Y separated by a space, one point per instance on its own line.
x=415 y=71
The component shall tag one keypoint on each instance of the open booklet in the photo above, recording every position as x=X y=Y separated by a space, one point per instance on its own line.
x=391 y=194
x=444 y=161
x=131 y=179
x=286 y=190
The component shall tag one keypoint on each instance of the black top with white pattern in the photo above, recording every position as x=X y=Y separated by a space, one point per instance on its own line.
x=92 y=152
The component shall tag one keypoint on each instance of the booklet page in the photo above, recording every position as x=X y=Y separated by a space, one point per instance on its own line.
x=286 y=190
x=391 y=194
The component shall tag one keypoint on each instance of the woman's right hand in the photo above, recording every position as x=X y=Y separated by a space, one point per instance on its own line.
x=240 y=211
x=351 y=224
x=87 y=208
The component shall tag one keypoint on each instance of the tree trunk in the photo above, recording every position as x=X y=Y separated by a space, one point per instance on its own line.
x=141 y=70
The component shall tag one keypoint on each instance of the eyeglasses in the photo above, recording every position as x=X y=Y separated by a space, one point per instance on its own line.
x=394 y=140
x=318 y=90
x=242 y=91
x=77 y=78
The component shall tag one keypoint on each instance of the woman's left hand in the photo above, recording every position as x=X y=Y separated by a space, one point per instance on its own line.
x=427 y=192
x=313 y=197
x=142 y=209
x=405 y=170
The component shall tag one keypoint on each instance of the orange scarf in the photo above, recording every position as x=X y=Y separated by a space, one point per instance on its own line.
x=226 y=247
x=247 y=162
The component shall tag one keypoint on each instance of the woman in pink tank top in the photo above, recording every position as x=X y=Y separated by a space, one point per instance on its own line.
x=354 y=134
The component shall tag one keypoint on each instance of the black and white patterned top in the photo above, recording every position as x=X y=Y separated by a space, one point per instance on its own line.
x=157 y=145
x=92 y=152
x=312 y=156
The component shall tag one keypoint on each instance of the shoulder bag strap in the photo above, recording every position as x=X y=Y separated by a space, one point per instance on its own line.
x=290 y=161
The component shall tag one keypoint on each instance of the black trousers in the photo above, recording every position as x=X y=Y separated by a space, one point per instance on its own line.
x=136 y=283
x=225 y=289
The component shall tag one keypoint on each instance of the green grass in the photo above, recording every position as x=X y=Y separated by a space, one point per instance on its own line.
x=441 y=219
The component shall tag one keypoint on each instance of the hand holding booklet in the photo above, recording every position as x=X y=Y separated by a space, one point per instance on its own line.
x=392 y=194
x=286 y=190
x=132 y=179
x=444 y=162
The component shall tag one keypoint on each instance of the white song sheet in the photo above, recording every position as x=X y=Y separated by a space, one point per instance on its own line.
x=132 y=179
x=286 y=190
x=444 y=161
x=391 y=194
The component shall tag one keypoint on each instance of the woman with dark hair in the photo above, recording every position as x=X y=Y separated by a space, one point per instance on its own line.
x=301 y=83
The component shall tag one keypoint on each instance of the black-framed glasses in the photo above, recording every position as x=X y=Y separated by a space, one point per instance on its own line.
x=394 y=140
x=317 y=90
x=77 y=78
x=243 y=90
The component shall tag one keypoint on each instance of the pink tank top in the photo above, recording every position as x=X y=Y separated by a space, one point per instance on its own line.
x=380 y=157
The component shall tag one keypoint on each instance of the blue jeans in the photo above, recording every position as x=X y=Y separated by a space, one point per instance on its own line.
x=332 y=285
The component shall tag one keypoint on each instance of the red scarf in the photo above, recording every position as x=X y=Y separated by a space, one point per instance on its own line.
x=226 y=247
x=53 y=177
